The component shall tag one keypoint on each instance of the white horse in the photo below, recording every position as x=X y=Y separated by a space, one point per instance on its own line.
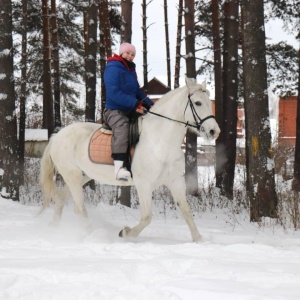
x=158 y=158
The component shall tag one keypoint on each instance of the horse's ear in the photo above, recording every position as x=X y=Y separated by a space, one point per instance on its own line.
x=204 y=85
x=190 y=82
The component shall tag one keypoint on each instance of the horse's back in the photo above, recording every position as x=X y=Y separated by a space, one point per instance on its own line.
x=71 y=138
x=78 y=129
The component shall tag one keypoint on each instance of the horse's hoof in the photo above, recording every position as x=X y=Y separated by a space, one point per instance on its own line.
x=89 y=227
x=124 y=232
x=55 y=223
x=197 y=239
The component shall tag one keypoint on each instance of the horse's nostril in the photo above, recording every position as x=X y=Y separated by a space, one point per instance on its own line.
x=212 y=133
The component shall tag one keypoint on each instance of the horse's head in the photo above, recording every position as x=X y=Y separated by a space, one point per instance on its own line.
x=198 y=111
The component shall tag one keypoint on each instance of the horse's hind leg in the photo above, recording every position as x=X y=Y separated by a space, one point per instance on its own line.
x=60 y=198
x=74 y=180
x=145 y=199
x=177 y=188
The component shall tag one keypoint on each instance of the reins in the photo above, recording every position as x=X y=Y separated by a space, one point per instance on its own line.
x=194 y=112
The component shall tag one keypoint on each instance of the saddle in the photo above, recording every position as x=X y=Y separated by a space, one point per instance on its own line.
x=100 y=143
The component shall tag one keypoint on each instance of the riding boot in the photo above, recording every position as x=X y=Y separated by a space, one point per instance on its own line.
x=121 y=172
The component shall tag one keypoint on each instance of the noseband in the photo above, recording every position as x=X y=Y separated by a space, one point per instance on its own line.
x=197 y=119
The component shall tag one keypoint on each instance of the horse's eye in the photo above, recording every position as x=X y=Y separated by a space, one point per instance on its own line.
x=198 y=103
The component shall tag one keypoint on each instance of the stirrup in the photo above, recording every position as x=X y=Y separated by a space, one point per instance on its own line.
x=123 y=174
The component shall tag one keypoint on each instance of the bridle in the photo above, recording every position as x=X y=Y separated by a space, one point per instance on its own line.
x=195 y=115
x=197 y=119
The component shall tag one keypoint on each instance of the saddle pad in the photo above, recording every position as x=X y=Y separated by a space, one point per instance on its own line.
x=100 y=148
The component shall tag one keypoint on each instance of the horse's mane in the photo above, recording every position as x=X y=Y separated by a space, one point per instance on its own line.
x=166 y=97
x=170 y=94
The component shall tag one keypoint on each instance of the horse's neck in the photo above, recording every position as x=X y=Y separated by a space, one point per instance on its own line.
x=172 y=105
x=160 y=129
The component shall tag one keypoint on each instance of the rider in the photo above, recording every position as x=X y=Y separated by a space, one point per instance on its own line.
x=123 y=97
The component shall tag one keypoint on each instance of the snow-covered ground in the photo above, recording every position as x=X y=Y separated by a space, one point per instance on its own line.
x=237 y=259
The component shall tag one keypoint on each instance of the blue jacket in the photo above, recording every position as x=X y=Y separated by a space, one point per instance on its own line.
x=122 y=88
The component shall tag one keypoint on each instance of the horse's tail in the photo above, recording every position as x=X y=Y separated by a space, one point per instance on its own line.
x=47 y=176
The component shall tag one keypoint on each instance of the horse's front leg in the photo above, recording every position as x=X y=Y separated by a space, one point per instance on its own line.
x=178 y=190
x=145 y=199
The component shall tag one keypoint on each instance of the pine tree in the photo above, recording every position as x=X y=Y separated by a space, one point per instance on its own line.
x=23 y=94
x=91 y=20
x=178 y=44
x=124 y=192
x=191 y=172
x=230 y=97
x=55 y=66
x=9 y=151
x=259 y=163
x=167 y=42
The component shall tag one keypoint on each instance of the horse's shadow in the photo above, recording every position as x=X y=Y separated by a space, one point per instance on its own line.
x=110 y=235
x=106 y=231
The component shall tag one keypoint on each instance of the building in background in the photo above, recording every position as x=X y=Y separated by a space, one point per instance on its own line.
x=287 y=121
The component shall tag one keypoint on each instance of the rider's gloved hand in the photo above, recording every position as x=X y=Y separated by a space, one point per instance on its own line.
x=147 y=106
x=139 y=108
x=138 y=105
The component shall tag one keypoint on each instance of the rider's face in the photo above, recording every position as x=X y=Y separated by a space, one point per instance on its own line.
x=128 y=55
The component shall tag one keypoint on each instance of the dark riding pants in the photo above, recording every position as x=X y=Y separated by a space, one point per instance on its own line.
x=119 y=123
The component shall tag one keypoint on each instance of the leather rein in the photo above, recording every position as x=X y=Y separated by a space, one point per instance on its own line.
x=197 y=119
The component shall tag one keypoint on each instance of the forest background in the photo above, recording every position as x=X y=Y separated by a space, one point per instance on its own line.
x=51 y=51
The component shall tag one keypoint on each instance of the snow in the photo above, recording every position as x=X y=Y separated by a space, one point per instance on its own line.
x=237 y=259
x=5 y=52
x=36 y=134
x=3 y=96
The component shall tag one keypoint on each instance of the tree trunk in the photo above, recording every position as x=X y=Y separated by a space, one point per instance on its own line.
x=8 y=139
x=126 y=19
x=103 y=60
x=105 y=46
x=178 y=44
x=85 y=33
x=55 y=65
x=296 y=180
x=218 y=91
x=191 y=170
x=230 y=97
x=260 y=164
x=23 y=88
x=91 y=62
x=124 y=192
x=167 y=43
x=105 y=26
x=47 y=90
x=126 y=28
x=145 y=51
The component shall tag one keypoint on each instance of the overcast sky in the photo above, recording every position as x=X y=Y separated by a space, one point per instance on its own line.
x=156 y=39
